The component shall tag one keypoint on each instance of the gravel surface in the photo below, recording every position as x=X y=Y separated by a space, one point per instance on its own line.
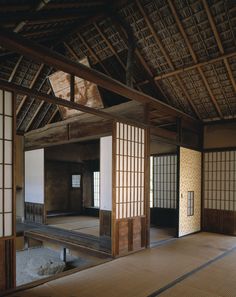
x=28 y=262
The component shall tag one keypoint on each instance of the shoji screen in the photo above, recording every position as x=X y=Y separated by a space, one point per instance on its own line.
x=220 y=180
x=129 y=187
x=130 y=156
x=220 y=191
x=164 y=181
x=6 y=164
x=189 y=181
x=7 y=220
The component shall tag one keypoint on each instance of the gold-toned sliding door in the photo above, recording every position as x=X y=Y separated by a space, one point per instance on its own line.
x=189 y=191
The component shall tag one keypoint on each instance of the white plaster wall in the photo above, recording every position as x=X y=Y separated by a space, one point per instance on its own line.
x=34 y=176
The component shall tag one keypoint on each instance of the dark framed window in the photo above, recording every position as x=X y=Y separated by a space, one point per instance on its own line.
x=76 y=180
x=190 y=210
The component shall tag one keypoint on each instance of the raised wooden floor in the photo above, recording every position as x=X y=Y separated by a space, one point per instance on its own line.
x=157 y=271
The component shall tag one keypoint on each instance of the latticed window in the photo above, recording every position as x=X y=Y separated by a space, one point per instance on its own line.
x=76 y=181
x=96 y=188
x=190 y=205
x=164 y=181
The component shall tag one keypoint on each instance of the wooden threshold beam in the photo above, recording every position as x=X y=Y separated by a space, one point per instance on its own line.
x=44 y=55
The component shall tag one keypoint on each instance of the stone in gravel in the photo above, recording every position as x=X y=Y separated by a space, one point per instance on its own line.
x=45 y=266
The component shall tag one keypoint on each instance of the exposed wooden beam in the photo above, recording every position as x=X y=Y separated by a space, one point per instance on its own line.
x=31 y=86
x=92 y=53
x=195 y=66
x=109 y=45
x=22 y=23
x=219 y=43
x=58 y=101
x=210 y=92
x=187 y=96
x=167 y=57
x=53 y=115
x=140 y=58
x=68 y=4
x=42 y=54
x=184 y=35
x=194 y=57
x=230 y=73
x=44 y=115
x=213 y=26
x=33 y=100
x=15 y=69
x=157 y=39
x=36 y=113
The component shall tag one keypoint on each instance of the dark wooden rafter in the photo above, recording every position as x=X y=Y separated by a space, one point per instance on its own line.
x=168 y=59
x=219 y=43
x=112 y=49
x=45 y=55
x=91 y=52
x=193 y=55
x=36 y=113
x=31 y=86
x=39 y=7
x=78 y=4
x=44 y=113
x=123 y=34
x=53 y=115
x=99 y=113
x=33 y=100
x=194 y=66
x=15 y=69
x=109 y=45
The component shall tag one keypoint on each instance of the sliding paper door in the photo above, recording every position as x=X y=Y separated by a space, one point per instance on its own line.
x=189 y=191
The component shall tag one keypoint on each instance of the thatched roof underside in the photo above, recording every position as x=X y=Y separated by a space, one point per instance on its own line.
x=185 y=51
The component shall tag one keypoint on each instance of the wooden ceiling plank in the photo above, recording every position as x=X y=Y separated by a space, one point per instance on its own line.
x=219 y=42
x=194 y=57
x=42 y=54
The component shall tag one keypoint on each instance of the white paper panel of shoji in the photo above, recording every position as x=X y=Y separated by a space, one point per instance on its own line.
x=6 y=166
x=220 y=180
x=130 y=154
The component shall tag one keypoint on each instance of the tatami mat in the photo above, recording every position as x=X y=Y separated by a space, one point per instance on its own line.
x=82 y=224
x=143 y=273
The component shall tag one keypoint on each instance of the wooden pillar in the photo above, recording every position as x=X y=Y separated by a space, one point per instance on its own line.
x=7 y=191
x=130 y=208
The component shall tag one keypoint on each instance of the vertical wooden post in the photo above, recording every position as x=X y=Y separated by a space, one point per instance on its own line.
x=72 y=88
